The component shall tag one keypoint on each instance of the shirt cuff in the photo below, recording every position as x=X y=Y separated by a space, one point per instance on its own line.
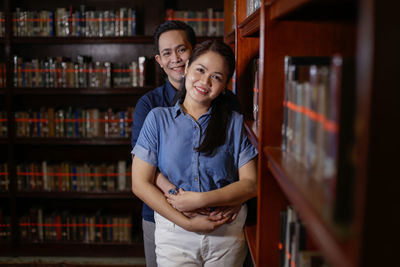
x=145 y=155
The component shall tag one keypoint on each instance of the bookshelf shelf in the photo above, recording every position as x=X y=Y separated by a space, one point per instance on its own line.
x=250 y=27
x=310 y=204
x=5 y=195
x=77 y=195
x=251 y=235
x=5 y=248
x=71 y=248
x=73 y=141
x=140 y=39
x=83 y=91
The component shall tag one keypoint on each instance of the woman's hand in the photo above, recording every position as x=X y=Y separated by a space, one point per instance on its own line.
x=230 y=212
x=184 y=201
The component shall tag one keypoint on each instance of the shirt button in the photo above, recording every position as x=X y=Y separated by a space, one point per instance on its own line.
x=195 y=179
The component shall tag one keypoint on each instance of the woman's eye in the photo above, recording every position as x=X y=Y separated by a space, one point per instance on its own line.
x=200 y=70
x=166 y=54
x=181 y=50
x=216 y=77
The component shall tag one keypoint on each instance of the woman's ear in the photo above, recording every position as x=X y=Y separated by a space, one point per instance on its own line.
x=186 y=67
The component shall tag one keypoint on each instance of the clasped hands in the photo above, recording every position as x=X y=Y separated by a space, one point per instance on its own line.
x=189 y=203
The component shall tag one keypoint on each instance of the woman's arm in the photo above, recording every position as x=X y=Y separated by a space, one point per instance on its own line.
x=232 y=194
x=143 y=187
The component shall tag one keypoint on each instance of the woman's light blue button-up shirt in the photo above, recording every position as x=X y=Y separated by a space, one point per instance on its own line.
x=168 y=140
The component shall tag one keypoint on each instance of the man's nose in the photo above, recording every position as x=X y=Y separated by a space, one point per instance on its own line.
x=176 y=57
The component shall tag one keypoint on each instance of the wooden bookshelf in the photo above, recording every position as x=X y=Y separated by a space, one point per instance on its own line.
x=322 y=28
x=150 y=13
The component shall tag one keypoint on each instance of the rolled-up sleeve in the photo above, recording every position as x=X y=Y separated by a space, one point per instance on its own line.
x=247 y=150
x=146 y=147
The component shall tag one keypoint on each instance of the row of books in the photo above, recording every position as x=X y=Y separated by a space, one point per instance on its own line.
x=318 y=124
x=38 y=226
x=4 y=180
x=204 y=23
x=3 y=75
x=3 y=124
x=5 y=227
x=294 y=248
x=252 y=5
x=69 y=22
x=74 y=177
x=2 y=24
x=61 y=72
x=74 y=123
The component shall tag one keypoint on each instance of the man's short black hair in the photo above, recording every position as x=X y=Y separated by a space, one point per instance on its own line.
x=174 y=25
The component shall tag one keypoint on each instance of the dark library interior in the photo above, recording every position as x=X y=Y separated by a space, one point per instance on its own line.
x=316 y=81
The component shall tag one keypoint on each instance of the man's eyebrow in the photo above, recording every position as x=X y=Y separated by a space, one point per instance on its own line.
x=166 y=50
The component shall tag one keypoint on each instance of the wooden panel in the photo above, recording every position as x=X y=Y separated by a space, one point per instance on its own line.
x=271 y=201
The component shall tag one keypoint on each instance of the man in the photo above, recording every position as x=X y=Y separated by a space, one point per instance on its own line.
x=174 y=41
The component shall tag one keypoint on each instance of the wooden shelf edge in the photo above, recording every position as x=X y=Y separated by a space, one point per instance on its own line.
x=252 y=129
x=76 y=195
x=230 y=38
x=81 y=249
x=251 y=25
x=83 y=91
x=72 y=141
x=138 y=39
x=251 y=237
x=333 y=249
x=5 y=194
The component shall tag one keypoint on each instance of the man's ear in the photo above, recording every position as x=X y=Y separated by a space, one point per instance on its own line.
x=158 y=59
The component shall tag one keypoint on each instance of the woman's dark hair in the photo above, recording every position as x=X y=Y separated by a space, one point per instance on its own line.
x=216 y=131
x=170 y=25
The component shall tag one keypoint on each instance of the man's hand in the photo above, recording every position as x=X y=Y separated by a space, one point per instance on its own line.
x=184 y=201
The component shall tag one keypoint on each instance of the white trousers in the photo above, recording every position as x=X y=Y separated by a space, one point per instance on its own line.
x=225 y=246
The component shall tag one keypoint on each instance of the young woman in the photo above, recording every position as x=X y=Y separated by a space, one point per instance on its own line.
x=200 y=146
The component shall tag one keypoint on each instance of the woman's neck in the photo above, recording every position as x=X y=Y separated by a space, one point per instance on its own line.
x=194 y=109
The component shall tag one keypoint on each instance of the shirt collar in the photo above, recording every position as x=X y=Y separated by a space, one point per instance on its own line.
x=178 y=110
x=170 y=92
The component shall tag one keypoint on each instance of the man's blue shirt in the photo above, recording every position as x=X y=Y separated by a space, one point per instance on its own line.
x=168 y=140
x=160 y=97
